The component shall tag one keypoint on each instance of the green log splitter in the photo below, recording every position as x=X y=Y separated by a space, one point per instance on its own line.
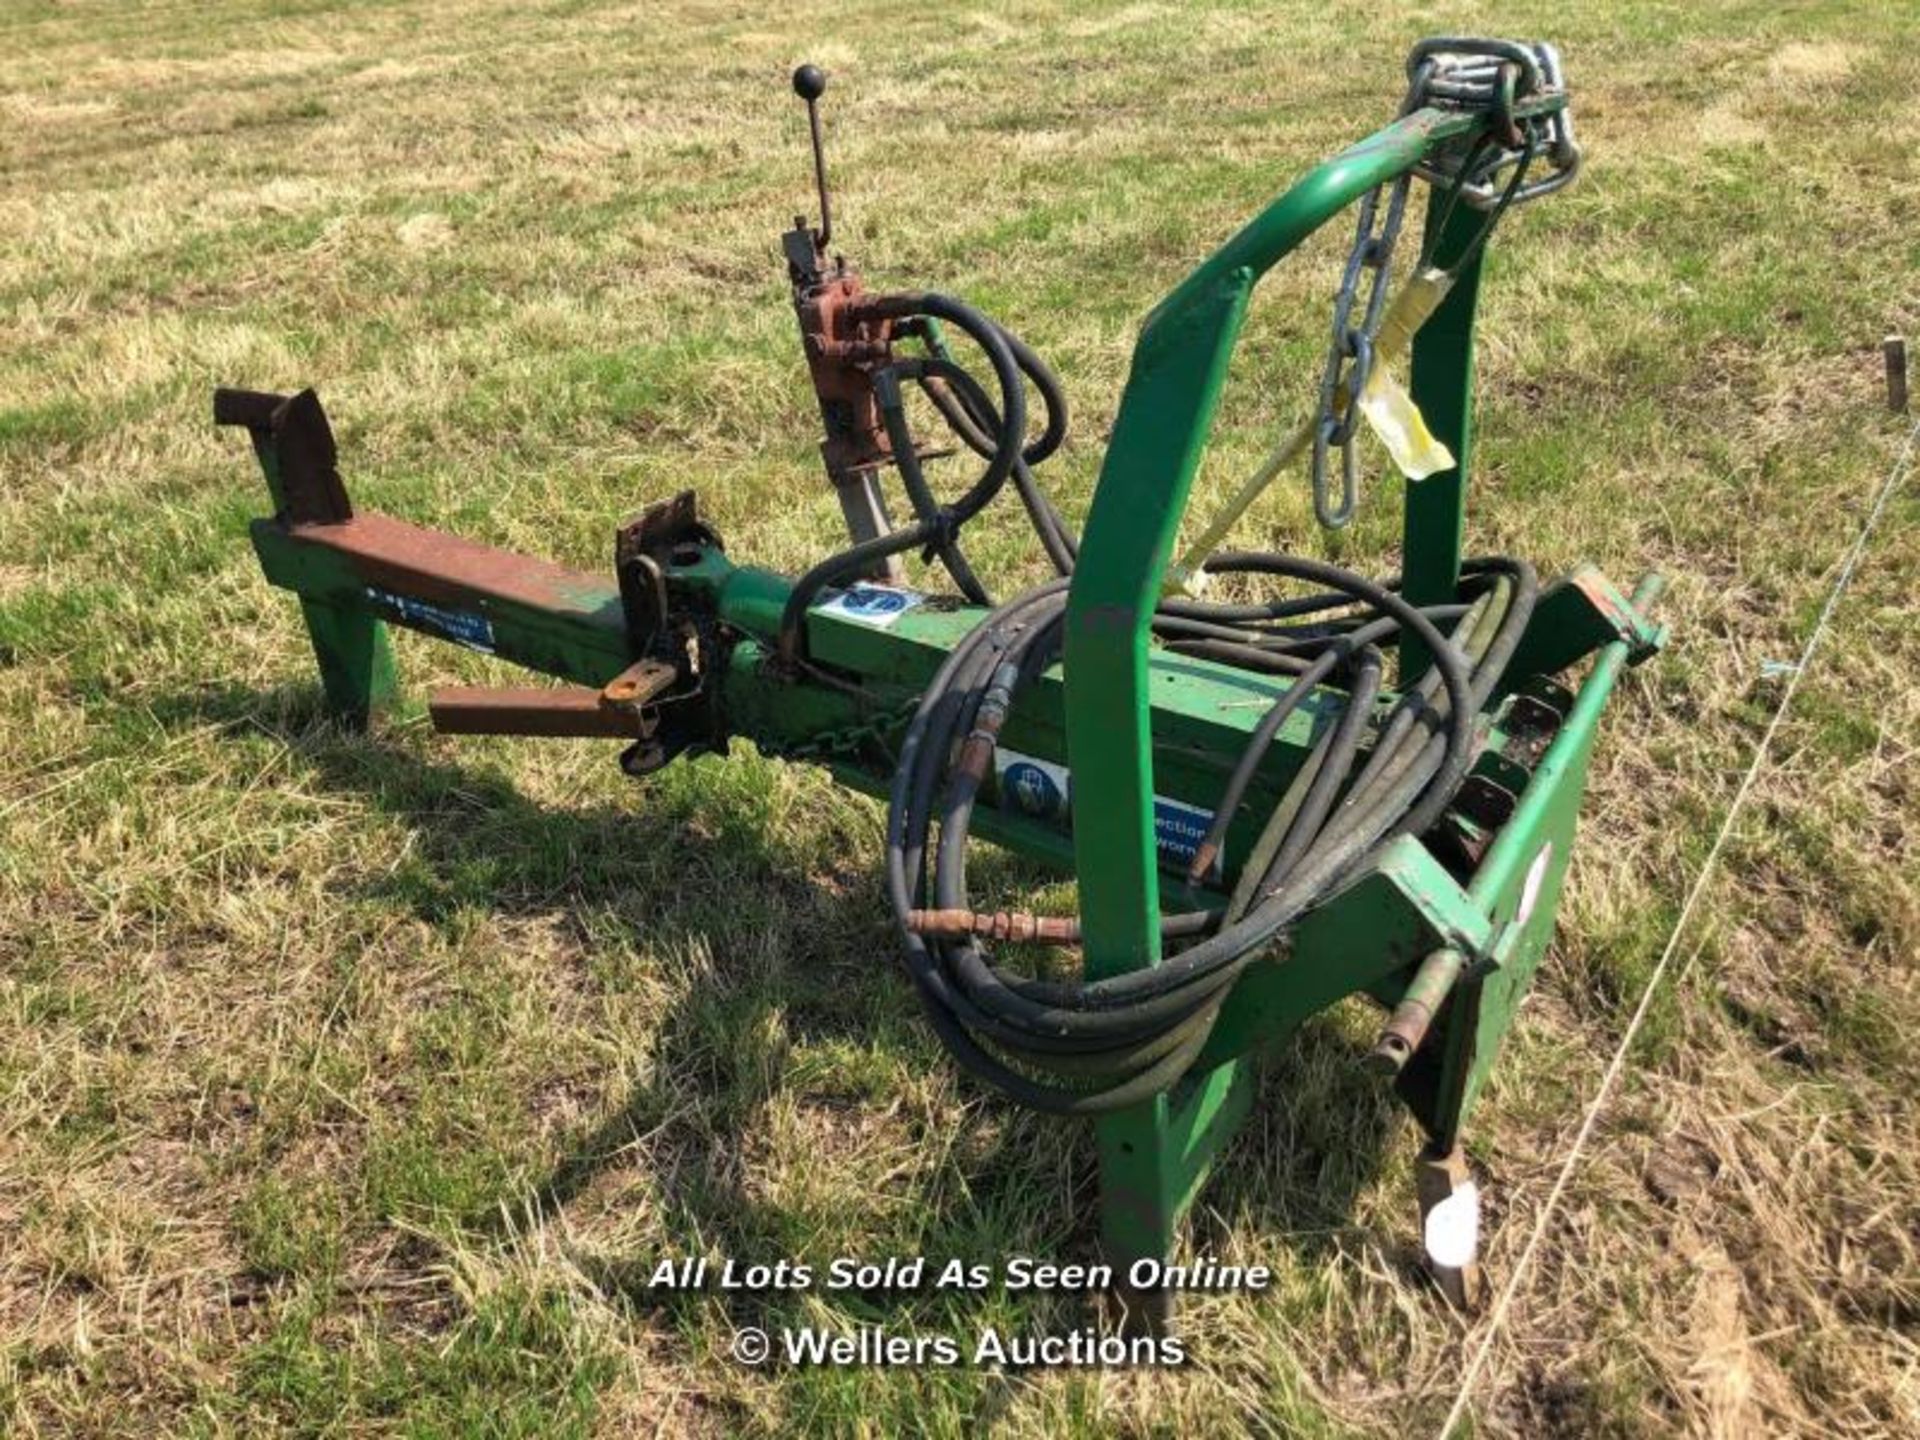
x=1225 y=720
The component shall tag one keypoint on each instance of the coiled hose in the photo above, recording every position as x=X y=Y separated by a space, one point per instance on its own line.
x=1086 y=1046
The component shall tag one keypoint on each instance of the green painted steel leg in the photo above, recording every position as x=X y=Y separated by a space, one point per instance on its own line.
x=1433 y=532
x=1138 y=1215
x=1518 y=887
x=1147 y=1162
x=356 y=660
x=349 y=641
x=1153 y=1159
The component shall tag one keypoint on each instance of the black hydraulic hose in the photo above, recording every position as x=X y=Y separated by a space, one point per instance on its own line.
x=1051 y=394
x=947 y=1011
x=1303 y=810
x=1305 y=822
x=1246 y=657
x=939 y=531
x=1446 y=660
x=1503 y=622
x=1400 y=744
x=972 y=419
x=970 y=415
x=854 y=560
x=1089 y=1046
x=906 y=458
x=1136 y=1047
x=939 y=378
x=1093 y=1045
x=1011 y=439
x=1063 y=550
x=1261 y=740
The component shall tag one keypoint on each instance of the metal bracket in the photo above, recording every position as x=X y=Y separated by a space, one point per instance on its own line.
x=295 y=444
x=664 y=534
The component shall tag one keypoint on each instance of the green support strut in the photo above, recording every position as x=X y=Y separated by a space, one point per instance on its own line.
x=1154 y=1156
x=1433 y=533
x=357 y=672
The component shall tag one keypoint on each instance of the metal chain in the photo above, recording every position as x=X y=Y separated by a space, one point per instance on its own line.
x=878 y=726
x=1471 y=73
x=1350 y=356
x=1449 y=73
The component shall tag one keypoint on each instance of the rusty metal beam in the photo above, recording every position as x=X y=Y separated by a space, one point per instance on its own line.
x=566 y=710
x=435 y=566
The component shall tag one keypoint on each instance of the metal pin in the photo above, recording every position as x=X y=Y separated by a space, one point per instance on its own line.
x=1414 y=1014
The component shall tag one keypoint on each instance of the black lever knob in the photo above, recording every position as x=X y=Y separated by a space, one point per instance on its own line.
x=809 y=83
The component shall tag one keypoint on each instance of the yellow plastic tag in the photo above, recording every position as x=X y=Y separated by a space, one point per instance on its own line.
x=1401 y=427
x=1419 y=297
x=1384 y=401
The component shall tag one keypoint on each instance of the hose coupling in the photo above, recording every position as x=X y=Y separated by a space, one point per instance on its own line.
x=1016 y=925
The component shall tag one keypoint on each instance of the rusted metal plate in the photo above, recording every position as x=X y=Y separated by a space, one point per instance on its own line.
x=639 y=684
x=296 y=448
x=666 y=533
x=441 y=568
x=1641 y=635
x=618 y=710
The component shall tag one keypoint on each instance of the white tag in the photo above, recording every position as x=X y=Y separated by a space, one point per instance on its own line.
x=876 y=605
x=1530 y=888
x=1453 y=1229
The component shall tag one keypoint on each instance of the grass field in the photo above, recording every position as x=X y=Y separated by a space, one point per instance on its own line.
x=353 y=1085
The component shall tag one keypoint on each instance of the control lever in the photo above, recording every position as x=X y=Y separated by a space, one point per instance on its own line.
x=810 y=83
x=844 y=346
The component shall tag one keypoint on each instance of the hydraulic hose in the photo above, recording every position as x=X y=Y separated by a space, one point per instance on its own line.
x=1092 y=1045
x=1085 y=1046
x=938 y=531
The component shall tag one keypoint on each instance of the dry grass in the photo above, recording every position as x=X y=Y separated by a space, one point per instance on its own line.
x=349 y=1084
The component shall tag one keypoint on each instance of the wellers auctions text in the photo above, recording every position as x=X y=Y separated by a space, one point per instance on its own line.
x=877 y=1347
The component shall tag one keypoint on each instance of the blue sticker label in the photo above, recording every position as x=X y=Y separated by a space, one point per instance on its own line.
x=1044 y=790
x=1035 y=789
x=1178 y=829
x=463 y=627
x=876 y=605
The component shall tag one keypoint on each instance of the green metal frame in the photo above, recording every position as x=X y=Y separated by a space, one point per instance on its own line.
x=1145 y=721
x=1153 y=1156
